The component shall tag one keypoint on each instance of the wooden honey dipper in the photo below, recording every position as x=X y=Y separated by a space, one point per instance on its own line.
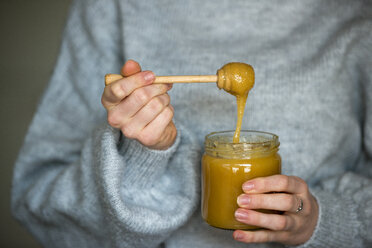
x=235 y=78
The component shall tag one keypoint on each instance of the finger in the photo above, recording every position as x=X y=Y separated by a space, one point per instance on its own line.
x=273 y=222
x=259 y=236
x=114 y=93
x=156 y=130
x=126 y=109
x=146 y=115
x=130 y=67
x=280 y=201
x=276 y=183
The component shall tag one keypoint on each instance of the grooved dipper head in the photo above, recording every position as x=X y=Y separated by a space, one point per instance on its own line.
x=236 y=78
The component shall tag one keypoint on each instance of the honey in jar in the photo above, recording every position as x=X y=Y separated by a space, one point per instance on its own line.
x=227 y=165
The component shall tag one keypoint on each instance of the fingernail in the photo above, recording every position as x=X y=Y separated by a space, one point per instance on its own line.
x=238 y=235
x=248 y=186
x=240 y=215
x=244 y=200
x=149 y=76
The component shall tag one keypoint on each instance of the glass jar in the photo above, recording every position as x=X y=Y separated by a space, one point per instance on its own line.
x=227 y=165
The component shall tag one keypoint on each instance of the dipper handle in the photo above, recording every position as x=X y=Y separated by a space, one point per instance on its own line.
x=109 y=78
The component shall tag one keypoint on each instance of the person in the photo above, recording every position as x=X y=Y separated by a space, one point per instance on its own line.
x=127 y=174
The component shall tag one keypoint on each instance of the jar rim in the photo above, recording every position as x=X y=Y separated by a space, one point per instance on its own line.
x=252 y=143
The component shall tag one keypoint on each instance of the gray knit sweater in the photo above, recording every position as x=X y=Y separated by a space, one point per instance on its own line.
x=80 y=183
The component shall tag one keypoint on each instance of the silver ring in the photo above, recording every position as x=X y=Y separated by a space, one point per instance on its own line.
x=301 y=206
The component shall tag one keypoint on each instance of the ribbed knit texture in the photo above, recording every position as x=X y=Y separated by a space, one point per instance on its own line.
x=79 y=183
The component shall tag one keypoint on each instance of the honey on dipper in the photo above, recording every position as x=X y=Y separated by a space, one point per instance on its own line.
x=237 y=79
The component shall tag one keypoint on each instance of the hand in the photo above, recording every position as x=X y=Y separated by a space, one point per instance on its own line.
x=291 y=227
x=139 y=108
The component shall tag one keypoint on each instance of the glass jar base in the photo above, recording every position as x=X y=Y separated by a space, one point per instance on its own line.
x=233 y=227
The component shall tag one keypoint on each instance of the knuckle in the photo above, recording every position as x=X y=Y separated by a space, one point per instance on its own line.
x=250 y=238
x=265 y=237
x=147 y=139
x=307 y=209
x=284 y=182
x=166 y=99
x=291 y=202
x=156 y=105
x=162 y=87
x=171 y=108
x=113 y=119
x=266 y=200
x=256 y=201
x=283 y=237
x=169 y=113
x=281 y=224
x=252 y=217
x=303 y=185
x=259 y=237
x=103 y=101
x=129 y=132
x=141 y=96
x=260 y=183
x=166 y=115
x=300 y=180
x=117 y=91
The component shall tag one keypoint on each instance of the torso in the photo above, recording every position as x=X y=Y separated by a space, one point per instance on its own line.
x=303 y=93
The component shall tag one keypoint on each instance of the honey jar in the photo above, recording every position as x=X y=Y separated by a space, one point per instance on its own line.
x=227 y=165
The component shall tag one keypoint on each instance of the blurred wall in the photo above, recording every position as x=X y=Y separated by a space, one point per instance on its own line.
x=30 y=35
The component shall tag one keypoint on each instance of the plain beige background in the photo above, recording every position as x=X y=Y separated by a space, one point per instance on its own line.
x=30 y=37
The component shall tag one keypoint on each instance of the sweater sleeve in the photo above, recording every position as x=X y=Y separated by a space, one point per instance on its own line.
x=77 y=181
x=345 y=218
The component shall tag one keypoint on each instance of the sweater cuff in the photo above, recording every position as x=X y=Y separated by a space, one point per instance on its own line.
x=144 y=165
x=337 y=222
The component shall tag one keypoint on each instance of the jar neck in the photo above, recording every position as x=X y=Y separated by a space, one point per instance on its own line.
x=253 y=144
